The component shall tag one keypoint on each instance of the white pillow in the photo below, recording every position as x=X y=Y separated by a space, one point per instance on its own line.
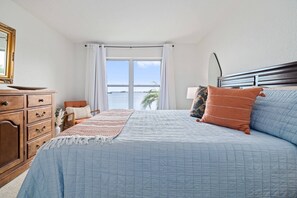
x=79 y=112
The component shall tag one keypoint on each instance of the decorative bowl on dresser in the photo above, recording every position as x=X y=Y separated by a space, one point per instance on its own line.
x=26 y=123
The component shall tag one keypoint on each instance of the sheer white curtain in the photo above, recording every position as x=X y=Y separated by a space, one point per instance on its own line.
x=167 y=84
x=96 y=87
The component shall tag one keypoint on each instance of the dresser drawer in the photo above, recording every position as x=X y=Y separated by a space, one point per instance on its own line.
x=39 y=114
x=38 y=100
x=35 y=145
x=11 y=102
x=41 y=128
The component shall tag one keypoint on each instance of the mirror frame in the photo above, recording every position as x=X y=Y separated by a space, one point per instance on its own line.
x=218 y=65
x=221 y=73
x=11 y=33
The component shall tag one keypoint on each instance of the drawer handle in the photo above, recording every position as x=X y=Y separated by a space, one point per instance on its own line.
x=40 y=115
x=4 y=103
x=38 y=146
x=40 y=130
x=40 y=100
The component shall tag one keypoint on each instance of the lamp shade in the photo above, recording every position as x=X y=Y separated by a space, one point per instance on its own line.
x=191 y=92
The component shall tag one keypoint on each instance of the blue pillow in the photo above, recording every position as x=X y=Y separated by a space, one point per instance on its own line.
x=276 y=114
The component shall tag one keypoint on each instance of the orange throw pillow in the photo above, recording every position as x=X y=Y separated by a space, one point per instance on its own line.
x=230 y=107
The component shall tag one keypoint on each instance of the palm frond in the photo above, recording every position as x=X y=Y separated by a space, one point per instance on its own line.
x=149 y=98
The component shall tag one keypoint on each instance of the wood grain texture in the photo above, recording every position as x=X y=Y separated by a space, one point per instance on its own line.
x=14 y=172
x=11 y=102
x=39 y=129
x=11 y=140
x=39 y=100
x=39 y=114
x=36 y=144
x=27 y=92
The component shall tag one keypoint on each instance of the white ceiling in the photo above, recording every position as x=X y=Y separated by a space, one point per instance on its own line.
x=131 y=21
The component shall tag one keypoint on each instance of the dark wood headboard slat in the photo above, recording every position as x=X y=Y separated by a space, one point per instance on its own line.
x=279 y=75
x=240 y=81
x=278 y=82
x=239 y=85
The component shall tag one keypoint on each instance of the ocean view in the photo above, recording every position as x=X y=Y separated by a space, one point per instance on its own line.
x=119 y=100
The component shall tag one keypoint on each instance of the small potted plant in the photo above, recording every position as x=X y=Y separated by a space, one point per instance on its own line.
x=59 y=119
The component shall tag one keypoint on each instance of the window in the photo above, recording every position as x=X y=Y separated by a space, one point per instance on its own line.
x=118 y=84
x=133 y=84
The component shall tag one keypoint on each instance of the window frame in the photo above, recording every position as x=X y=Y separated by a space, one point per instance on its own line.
x=131 y=77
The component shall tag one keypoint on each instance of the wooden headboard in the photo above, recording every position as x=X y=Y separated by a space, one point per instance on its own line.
x=277 y=75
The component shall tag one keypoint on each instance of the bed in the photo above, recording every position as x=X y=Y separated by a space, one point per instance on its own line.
x=169 y=154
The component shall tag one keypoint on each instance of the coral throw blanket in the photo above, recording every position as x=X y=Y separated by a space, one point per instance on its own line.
x=102 y=128
x=108 y=123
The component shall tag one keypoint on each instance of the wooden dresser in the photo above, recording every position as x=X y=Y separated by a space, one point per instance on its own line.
x=26 y=122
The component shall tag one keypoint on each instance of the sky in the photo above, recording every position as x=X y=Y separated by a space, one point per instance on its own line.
x=145 y=73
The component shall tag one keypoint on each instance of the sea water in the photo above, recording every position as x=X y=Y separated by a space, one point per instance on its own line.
x=119 y=100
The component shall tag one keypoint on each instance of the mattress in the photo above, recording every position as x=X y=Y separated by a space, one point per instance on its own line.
x=167 y=154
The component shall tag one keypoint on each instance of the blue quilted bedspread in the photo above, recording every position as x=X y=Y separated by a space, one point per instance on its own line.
x=167 y=154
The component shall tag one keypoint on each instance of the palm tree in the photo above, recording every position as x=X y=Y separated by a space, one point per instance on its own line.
x=151 y=96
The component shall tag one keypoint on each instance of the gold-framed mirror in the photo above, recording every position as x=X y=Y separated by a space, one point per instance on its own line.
x=7 y=49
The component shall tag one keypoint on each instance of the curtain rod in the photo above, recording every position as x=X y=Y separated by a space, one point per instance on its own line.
x=136 y=46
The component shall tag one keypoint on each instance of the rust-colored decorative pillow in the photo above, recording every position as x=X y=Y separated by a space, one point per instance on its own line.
x=230 y=107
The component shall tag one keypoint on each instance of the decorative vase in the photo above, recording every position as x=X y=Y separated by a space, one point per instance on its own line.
x=58 y=130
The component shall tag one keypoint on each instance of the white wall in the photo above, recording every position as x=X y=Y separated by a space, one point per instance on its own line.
x=43 y=57
x=187 y=72
x=258 y=34
x=145 y=53
x=80 y=54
